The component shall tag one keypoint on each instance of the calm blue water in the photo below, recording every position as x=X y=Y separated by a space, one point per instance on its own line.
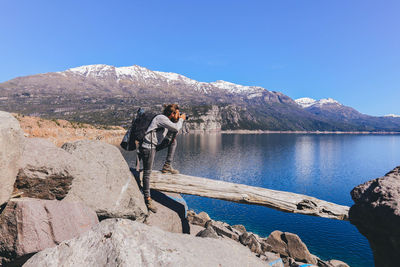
x=323 y=166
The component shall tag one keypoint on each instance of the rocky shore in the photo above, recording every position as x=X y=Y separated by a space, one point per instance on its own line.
x=79 y=204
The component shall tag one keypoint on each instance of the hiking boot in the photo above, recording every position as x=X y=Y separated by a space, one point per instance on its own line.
x=150 y=205
x=167 y=168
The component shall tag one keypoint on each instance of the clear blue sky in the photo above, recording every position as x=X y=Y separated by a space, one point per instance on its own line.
x=344 y=49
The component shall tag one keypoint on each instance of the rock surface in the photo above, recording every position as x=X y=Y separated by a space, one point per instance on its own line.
x=11 y=146
x=337 y=263
x=208 y=232
x=121 y=242
x=91 y=172
x=198 y=219
x=376 y=214
x=170 y=214
x=46 y=171
x=31 y=225
x=106 y=183
x=290 y=245
x=195 y=229
x=250 y=240
x=272 y=259
x=222 y=229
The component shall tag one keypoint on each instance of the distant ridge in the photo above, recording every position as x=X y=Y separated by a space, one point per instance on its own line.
x=106 y=94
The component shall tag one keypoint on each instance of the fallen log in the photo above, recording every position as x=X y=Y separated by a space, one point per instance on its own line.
x=279 y=200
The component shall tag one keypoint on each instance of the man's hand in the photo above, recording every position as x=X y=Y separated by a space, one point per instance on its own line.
x=183 y=116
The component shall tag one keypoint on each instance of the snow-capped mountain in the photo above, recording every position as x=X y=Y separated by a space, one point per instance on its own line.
x=329 y=108
x=109 y=95
x=143 y=75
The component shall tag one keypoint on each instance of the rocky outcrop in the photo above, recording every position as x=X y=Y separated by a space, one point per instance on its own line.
x=120 y=242
x=223 y=229
x=11 y=146
x=106 y=183
x=376 y=214
x=198 y=219
x=90 y=172
x=208 y=232
x=279 y=249
x=216 y=118
x=254 y=243
x=207 y=119
x=31 y=225
x=290 y=245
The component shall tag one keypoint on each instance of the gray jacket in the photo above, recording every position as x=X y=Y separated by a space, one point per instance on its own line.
x=163 y=126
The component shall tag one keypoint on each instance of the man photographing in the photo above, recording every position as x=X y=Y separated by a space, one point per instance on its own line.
x=160 y=134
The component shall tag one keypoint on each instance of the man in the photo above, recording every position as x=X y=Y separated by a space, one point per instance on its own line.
x=160 y=134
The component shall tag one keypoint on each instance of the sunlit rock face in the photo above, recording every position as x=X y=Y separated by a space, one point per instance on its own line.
x=376 y=214
x=11 y=147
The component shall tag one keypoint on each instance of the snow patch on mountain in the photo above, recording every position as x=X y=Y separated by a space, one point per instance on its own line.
x=392 y=116
x=136 y=73
x=306 y=102
x=236 y=88
x=98 y=70
x=328 y=101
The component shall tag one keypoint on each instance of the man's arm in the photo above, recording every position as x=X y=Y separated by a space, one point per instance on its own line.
x=164 y=122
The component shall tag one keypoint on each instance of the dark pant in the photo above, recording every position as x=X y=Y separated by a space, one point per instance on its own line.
x=148 y=158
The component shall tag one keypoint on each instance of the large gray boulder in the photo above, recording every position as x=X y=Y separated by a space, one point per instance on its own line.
x=376 y=214
x=90 y=172
x=11 y=146
x=30 y=225
x=46 y=171
x=250 y=240
x=108 y=185
x=121 y=242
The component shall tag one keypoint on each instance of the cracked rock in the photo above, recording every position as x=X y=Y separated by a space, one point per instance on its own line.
x=30 y=225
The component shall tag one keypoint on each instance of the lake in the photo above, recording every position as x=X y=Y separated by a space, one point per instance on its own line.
x=325 y=166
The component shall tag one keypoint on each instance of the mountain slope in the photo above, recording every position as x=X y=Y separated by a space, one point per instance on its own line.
x=110 y=95
x=334 y=111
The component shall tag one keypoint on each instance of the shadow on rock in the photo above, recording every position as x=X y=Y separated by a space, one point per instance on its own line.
x=172 y=210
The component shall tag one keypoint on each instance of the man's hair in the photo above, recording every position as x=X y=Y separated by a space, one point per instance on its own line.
x=169 y=109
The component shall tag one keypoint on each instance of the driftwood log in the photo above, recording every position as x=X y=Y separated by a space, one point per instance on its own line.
x=279 y=200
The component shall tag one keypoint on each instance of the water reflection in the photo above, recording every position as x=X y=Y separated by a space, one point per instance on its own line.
x=323 y=166
x=304 y=156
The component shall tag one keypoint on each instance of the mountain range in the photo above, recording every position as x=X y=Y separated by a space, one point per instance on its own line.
x=106 y=94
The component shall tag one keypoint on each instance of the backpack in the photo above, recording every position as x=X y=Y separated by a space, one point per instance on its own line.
x=137 y=130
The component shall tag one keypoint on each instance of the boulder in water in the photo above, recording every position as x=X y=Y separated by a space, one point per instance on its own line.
x=290 y=245
x=376 y=214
